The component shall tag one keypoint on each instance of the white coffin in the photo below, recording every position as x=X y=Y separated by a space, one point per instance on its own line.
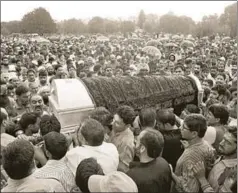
x=70 y=102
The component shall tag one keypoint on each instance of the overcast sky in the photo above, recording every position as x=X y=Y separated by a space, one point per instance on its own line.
x=60 y=10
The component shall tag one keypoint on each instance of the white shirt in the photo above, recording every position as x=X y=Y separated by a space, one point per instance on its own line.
x=106 y=155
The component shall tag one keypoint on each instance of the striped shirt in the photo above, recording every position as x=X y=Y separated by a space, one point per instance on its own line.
x=57 y=169
x=193 y=154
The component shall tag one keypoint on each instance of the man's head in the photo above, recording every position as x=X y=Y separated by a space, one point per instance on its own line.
x=44 y=91
x=147 y=118
x=43 y=77
x=123 y=118
x=37 y=104
x=220 y=79
x=85 y=170
x=207 y=83
x=179 y=70
x=214 y=92
x=213 y=71
x=189 y=109
x=108 y=72
x=29 y=123
x=3 y=119
x=18 y=159
x=217 y=114
x=50 y=70
x=72 y=71
x=102 y=115
x=194 y=126
x=23 y=94
x=91 y=133
x=33 y=87
x=228 y=145
x=197 y=69
x=59 y=70
x=221 y=66
x=31 y=75
x=5 y=61
x=56 y=145
x=49 y=123
x=14 y=81
x=150 y=143
x=165 y=119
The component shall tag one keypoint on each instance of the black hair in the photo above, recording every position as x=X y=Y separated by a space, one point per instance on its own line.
x=43 y=72
x=21 y=89
x=153 y=141
x=93 y=132
x=85 y=170
x=221 y=74
x=147 y=117
x=31 y=70
x=49 y=123
x=127 y=114
x=102 y=115
x=165 y=116
x=56 y=143
x=27 y=119
x=18 y=159
x=57 y=67
x=196 y=122
x=191 y=108
x=221 y=112
x=209 y=81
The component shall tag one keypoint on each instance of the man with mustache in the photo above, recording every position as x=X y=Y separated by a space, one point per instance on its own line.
x=37 y=105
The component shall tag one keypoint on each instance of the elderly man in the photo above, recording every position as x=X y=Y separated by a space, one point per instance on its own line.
x=37 y=105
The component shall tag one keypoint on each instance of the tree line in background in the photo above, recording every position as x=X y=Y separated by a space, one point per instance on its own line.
x=40 y=21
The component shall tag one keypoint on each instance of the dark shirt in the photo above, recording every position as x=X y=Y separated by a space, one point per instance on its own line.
x=154 y=176
x=173 y=148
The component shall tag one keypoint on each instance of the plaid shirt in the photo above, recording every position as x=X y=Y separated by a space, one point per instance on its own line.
x=57 y=169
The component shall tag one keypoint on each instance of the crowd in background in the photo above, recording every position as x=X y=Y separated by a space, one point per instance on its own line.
x=153 y=150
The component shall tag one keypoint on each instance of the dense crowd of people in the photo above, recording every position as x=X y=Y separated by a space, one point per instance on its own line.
x=153 y=150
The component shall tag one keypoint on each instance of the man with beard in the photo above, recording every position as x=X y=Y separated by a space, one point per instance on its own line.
x=4 y=66
x=213 y=71
x=153 y=172
x=223 y=174
x=108 y=71
x=197 y=70
x=37 y=105
x=193 y=130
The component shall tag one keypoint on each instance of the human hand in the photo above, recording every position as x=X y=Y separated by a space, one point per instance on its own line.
x=184 y=143
x=199 y=170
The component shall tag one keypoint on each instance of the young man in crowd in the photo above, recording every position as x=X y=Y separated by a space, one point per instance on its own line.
x=122 y=136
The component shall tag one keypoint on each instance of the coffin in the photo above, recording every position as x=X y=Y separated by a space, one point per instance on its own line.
x=72 y=100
